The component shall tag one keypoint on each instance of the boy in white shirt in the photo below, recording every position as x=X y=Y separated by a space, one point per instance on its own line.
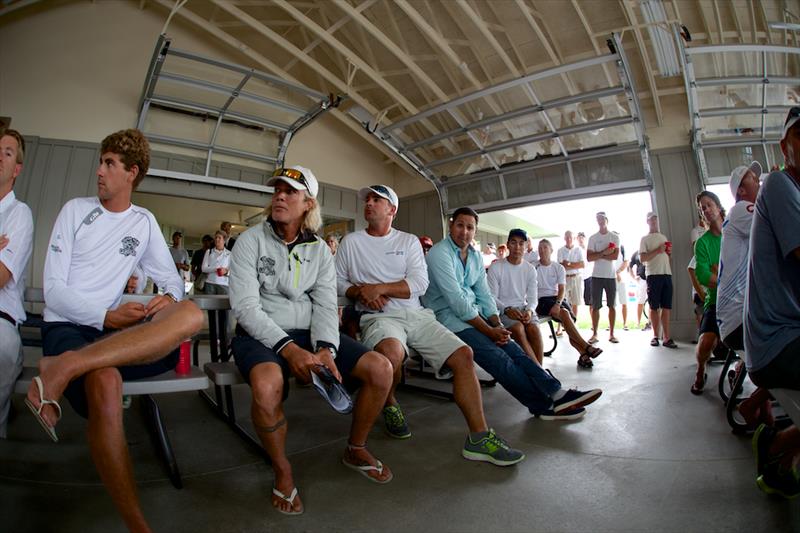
x=552 y=280
x=91 y=342
x=16 y=240
x=384 y=271
x=512 y=282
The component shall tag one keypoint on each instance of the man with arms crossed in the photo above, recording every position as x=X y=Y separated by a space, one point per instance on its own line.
x=460 y=297
x=16 y=237
x=571 y=257
x=384 y=271
x=95 y=246
x=512 y=282
x=603 y=250
x=655 y=254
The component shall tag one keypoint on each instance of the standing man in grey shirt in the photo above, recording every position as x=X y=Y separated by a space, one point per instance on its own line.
x=179 y=254
x=772 y=309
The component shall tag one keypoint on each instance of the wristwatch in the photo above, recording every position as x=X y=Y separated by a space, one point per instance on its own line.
x=171 y=297
x=333 y=351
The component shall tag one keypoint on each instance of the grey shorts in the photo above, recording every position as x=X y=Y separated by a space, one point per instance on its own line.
x=609 y=285
x=414 y=328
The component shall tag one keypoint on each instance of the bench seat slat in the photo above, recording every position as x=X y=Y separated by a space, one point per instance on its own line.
x=162 y=383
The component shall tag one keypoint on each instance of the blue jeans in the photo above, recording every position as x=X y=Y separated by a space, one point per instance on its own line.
x=515 y=371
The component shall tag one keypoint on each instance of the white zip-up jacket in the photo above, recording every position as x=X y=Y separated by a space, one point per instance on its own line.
x=275 y=287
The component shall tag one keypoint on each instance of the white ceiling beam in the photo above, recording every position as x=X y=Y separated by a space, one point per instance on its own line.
x=763 y=12
x=651 y=80
x=317 y=41
x=589 y=32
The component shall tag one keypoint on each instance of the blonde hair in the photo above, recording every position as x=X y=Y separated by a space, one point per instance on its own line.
x=312 y=219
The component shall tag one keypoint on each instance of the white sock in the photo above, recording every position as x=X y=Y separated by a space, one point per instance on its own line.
x=558 y=395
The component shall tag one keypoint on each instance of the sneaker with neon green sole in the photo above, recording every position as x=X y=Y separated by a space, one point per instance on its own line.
x=492 y=449
x=395 y=421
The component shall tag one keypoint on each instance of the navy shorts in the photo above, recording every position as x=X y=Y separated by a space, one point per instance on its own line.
x=547 y=302
x=709 y=322
x=60 y=337
x=587 y=291
x=249 y=352
x=609 y=285
x=659 y=291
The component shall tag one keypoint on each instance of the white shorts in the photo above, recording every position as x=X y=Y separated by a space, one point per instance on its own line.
x=622 y=292
x=574 y=290
x=415 y=328
x=642 y=295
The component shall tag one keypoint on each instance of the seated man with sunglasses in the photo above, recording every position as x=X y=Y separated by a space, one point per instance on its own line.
x=384 y=271
x=283 y=293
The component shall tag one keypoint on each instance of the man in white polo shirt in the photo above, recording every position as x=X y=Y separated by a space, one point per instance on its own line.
x=91 y=342
x=655 y=252
x=552 y=280
x=603 y=250
x=571 y=257
x=384 y=271
x=16 y=237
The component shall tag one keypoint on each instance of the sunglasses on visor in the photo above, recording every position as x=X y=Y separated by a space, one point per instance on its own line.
x=292 y=174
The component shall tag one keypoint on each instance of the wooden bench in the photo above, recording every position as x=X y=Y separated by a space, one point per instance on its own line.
x=168 y=382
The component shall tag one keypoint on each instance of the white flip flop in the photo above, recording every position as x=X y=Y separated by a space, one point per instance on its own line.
x=288 y=499
x=364 y=470
x=37 y=412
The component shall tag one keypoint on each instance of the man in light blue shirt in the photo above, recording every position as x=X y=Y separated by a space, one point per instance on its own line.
x=460 y=297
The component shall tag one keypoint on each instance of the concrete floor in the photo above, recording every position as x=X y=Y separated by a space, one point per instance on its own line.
x=648 y=456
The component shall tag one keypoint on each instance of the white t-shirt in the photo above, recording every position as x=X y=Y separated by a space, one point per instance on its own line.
x=573 y=255
x=532 y=257
x=549 y=278
x=16 y=222
x=365 y=259
x=214 y=259
x=603 y=268
x=488 y=259
x=513 y=285
x=733 y=264
x=696 y=233
x=92 y=253
x=659 y=264
x=586 y=271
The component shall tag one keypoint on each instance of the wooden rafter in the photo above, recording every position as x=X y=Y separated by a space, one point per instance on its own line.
x=588 y=29
x=648 y=70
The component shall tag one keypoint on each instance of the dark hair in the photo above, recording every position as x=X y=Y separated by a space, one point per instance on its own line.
x=464 y=211
x=207 y=237
x=132 y=148
x=517 y=232
x=714 y=198
x=545 y=241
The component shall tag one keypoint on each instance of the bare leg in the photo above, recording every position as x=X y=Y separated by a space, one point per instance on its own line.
x=612 y=318
x=624 y=315
x=534 y=335
x=107 y=445
x=788 y=443
x=655 y=318
x=705 y=346
x=518 y=334
x=266 y=380
x=375 y=373
x=665 y=323
x=595 y=320
x=466 y=389
x=575 y=338
x=639 y=310
x=393 y=350
x=142 y=343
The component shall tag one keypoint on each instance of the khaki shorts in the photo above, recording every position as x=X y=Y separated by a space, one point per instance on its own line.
x=574 y=290
x=415 y=328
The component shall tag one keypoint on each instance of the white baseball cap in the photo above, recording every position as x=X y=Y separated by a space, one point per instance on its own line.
x=738 y=174
x=300 y=178
x=381 y=190
x=791 y=119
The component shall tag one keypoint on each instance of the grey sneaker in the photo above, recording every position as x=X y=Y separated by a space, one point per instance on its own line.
x=395 y=422
x=492 y=449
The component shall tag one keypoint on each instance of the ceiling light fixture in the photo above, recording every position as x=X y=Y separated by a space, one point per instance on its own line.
x=789 y=26
x=660 y=38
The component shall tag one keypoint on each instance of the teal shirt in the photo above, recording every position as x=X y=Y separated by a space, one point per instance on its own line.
x=457 y=292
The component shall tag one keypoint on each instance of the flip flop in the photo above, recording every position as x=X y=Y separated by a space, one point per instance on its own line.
x=697 y=391
x=37 y=412
x=364 y=470
x=593 y=340
x=613 y=340
x=288 y=499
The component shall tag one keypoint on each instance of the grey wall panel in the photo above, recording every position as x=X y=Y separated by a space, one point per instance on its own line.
x=421 y=215
x=332 y=199
x=350 y=202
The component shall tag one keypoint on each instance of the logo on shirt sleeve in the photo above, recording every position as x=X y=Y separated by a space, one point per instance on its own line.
x=129 y=245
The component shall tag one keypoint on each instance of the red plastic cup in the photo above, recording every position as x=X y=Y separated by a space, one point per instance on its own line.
x=612 y=245
x=184 y=365
x=219 y=271
x=668 y=247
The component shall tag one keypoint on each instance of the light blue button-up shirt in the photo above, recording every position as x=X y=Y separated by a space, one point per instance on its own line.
x=457 y=292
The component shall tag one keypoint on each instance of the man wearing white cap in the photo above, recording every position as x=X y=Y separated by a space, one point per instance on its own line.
x=603 y=250
x=655 y=251
x=772 y=309
x=384 y=271
x=732 y=280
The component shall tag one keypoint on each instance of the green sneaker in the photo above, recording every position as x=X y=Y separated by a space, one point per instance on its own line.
x=493 y=449
x=395 y=422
